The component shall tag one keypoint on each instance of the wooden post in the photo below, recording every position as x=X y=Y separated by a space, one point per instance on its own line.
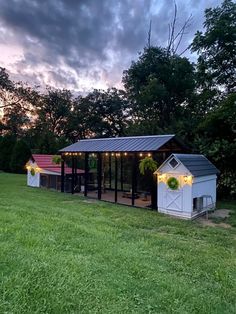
x=73 y=175
x=134 y=177
x=99 y=175
x=116 y=177
x=62 y=175
x=86 y=172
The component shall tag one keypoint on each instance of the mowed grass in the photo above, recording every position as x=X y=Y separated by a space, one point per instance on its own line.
x=64 y=254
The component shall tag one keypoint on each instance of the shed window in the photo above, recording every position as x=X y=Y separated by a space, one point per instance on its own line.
x=173 y=163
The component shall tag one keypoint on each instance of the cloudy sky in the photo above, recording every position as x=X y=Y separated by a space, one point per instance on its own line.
x=85 y=44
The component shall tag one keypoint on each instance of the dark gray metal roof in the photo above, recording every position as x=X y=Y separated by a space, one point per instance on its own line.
x=198 y=165
x=120 y=144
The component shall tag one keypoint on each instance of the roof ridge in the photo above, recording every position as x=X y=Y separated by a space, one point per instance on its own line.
x=124 y=137
x=176 y=154
x=43 y=155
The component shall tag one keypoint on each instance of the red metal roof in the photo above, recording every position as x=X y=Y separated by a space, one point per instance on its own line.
x=45 y=162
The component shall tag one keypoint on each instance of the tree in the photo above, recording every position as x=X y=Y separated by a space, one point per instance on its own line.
x=15 y=120
x=217 y=48
x=53 y=111
x=7 y=143
x=20 y=155
x=217 y=139
x=17 y=102
x=159 y=87
x=5 y=82
x=16 y=93
x=99 y=114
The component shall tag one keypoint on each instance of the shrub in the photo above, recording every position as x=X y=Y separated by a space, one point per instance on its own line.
x=20 y=155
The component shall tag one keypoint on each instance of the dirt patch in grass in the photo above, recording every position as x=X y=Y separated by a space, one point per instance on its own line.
x=220 y=213
x=209 y=223
x=216 y=219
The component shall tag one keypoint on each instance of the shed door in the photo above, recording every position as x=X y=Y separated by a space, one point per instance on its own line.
x=174 y=199
x=33 y=180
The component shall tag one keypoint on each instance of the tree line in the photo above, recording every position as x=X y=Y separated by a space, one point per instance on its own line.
x=164 y=92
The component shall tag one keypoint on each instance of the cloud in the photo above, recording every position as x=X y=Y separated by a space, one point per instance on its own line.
x=85 y=44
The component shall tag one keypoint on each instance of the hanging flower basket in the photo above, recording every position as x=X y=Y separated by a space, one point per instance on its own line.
x=32 y=172
x=56 y=159
x=147 y=164
x=173 y=183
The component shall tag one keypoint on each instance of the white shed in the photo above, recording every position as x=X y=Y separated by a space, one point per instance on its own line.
x=186 y=185
x=42 y=172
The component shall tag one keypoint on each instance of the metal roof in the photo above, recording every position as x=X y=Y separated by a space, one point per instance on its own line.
x=198 y=165
x=45 y=162
x=120 y=144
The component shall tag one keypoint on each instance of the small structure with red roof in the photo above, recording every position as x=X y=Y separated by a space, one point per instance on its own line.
x=43 y=172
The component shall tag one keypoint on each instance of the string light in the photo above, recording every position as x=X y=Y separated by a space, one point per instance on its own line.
x=140 y=154
x=149 y=154
x=125 y=154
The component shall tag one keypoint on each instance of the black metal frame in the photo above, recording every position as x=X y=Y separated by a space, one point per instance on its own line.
x=117 y=155
x=99 y=175
x=86 y=172
x=62 y=175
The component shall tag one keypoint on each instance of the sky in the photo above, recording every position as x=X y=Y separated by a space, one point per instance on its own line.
x=86 y=44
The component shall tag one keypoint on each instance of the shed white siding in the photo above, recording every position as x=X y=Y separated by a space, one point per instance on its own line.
x=205 y=186
x=34 y=180
x=180 y=202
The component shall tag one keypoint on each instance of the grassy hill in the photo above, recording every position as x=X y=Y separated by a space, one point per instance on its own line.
x=65 y=254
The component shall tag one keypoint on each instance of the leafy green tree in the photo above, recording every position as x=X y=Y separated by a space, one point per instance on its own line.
x=53 y=111
x=217 y=48
x=99 y=114
x=216 y=138
x=20 y=155
x=48 y=143
x=17 y=104
x=15 y=120
x=159 y=86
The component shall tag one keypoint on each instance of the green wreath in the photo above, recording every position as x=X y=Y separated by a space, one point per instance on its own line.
x=173 y=183
x=32 y=172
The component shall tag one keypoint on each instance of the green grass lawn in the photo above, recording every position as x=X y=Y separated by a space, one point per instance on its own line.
x=64 y=254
